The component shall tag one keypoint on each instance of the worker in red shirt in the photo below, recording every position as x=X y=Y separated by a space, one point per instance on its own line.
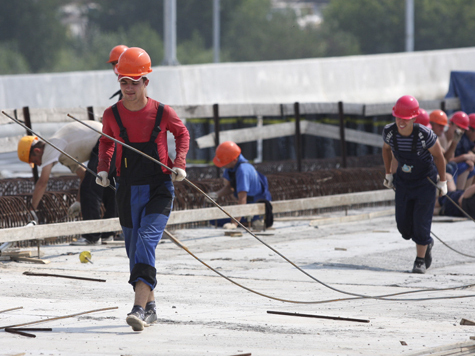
x=145 y=189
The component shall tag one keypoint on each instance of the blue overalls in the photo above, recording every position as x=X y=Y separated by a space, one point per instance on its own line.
x=415 y=195
x=145 y=199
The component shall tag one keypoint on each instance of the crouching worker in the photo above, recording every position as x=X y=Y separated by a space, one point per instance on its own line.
x=145 y=190
x=243 y=181
x=419 y=157
x=464 y=199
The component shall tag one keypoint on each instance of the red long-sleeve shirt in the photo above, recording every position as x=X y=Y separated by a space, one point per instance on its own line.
x=139 y=126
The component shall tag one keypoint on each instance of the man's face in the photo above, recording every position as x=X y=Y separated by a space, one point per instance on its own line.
x=405 y=126
x=36 y=156
x=437 y=128
x=133 y=90
x=470 y=133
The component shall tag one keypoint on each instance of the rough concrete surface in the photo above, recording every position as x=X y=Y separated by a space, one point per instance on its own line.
x=200 y=313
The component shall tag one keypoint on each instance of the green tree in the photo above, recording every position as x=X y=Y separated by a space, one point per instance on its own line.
x=35 y=28
x=11 y=61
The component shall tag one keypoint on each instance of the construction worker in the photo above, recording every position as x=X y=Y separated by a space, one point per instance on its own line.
x=464 y=155
x=83 y=144
x=439 y=121
x=423 y=119
x=419 y=157
x=145 y=190
x=113 y=60
x=244 y=181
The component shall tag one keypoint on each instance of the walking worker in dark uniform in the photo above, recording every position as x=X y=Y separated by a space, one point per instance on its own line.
x=145 y=190
x=419 y=157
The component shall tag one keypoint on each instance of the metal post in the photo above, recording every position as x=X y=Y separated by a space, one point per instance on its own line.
x=409 y=25
x=26 y=115
x=169 y=31
x=90 y=113
x=442 y=105
x=216 y=31
x=298 y=137
x=342 y=134
x=216 y=132
x=259 y=158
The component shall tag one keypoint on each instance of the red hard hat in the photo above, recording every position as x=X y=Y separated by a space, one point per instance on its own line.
x=460 y=119
x=423 y=118
x=407 y=107
x=134 y=62
x=226 y=153
x=471 y=121
x=116 y=52
x=438 y=117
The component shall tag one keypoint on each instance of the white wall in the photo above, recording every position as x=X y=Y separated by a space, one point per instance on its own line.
x=356 y=79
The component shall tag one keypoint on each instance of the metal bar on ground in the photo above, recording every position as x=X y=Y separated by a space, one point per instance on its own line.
x=318 y=316
x=62 y=276
x=3 y=311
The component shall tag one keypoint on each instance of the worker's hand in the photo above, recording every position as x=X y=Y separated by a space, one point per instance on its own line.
x=179 y=176
x=388 y=181
x=212 y=195
x=102 y=179
x=229 y=226
x=74 y=210
x=34 y=216
x=457 y=135
x=442 y=186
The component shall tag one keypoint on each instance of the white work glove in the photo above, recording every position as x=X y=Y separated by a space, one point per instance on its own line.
x=179 y=176
x=388 y=181
x=229 y=226
x=74 y=210
x=458 y=133
x=442 y=186
x=102 y=179
x=212 y=195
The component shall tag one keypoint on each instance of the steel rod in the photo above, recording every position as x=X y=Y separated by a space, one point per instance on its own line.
x=3 y=311
x=318 y=316
x=63 y=276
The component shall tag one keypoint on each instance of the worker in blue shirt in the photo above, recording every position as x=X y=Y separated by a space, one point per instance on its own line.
x=419 y=156
x=243 y=180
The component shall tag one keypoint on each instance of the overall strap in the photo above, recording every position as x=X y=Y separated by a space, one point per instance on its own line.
x=123 y=130
x=158 y=119
x=415 y=132
x=394 y=133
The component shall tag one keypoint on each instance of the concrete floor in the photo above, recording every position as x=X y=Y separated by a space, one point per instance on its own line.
x=200 y=313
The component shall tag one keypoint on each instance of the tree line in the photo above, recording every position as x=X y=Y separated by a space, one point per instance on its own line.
x=35 y=39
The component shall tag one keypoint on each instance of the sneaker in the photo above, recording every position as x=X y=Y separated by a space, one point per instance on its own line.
x=428 y=256
x=107 y=239
x=419 y=266
x=136 y=318
x=85 y=242
x=150 y=313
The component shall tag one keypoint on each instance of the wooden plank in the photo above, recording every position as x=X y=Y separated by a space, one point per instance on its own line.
x=28 y=259
x=185 y=216
x=351 y=218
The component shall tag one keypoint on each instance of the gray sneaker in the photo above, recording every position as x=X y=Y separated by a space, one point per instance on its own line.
x=151 y=313
x=136 y=318
x=419 y=266
x=85 y=242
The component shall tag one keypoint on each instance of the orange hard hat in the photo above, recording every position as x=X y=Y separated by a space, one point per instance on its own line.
x=134 y=62
x=226 y=153
x=460 y=119
x=116 y=52
x=407 y=107
x=471 y=121
x=423 y=118
x=24 y=148
x=438 y=117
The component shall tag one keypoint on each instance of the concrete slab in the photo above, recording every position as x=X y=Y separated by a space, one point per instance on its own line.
x=200 y=313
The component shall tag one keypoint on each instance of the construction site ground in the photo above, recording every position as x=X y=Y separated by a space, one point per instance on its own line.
x=201 y=313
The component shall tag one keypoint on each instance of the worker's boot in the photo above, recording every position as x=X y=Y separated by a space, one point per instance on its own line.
x=136 y=318
x=151 y=313
x=419 y=266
